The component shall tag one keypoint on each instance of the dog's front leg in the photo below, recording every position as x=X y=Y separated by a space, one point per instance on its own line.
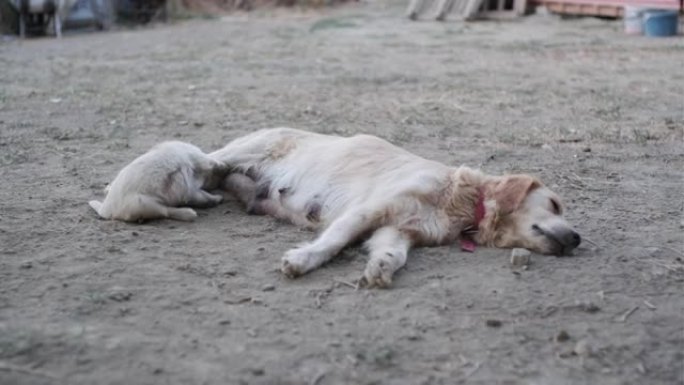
x=339 y=234
x=388 y=249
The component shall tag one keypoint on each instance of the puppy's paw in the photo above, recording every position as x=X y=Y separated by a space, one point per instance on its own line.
x=185 y=214
x=215 y=199
x=379 y=271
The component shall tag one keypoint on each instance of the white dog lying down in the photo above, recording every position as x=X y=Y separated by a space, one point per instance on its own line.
x=170 y=174
x=364 y=187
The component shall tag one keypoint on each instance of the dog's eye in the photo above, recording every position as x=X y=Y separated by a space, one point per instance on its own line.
x=555 y=207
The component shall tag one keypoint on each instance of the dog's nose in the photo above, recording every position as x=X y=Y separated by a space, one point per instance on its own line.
x=576 y=239
x=570 y=238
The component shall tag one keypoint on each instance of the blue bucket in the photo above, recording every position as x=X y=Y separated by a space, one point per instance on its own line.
x=660 y=23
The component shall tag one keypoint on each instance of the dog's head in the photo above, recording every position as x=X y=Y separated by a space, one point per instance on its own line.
x=528 y=215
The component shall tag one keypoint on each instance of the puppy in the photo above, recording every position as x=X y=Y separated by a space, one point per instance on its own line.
x=171 y=174
x=363 y=187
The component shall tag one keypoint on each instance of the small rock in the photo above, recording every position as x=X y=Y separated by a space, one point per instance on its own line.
x=493 y=323
x=257 y=371
x=562 y=336
x=224 y=322
x=158 y=371
x=589 y=307
x=520 y=257
x=119 y=295
x=582 y=348
x=586 y=149
x=268 y=288
x=134 y=233
x=26 y=265
x=124 y=311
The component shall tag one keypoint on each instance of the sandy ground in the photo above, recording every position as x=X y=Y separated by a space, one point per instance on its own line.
x=599 y=116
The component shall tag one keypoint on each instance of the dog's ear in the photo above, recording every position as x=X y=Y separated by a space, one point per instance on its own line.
x=512 y=190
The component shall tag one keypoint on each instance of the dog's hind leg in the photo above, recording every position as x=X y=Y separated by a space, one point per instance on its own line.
x=201 y=198
x=142 y=207
x=339 y=234
x=253 y=149
x=388 y=248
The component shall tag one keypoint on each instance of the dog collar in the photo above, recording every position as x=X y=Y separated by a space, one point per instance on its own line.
x=467 y=242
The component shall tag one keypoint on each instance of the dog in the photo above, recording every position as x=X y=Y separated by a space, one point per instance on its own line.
x=416 y=7
x=363 y=187
x=39 y=13
x=171 y=174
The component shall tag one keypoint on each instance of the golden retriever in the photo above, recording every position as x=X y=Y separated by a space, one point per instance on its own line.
x=171 y=174
x=360 y=187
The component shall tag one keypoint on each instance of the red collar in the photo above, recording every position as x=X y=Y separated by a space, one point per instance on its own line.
x=467 y=242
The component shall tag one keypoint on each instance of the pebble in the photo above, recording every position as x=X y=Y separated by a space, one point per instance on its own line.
x=119 y=295
x=268 y=288
x=582 y=348
x=26 y=265
x=520 y=257
x=257 y=371
x=493 y=323
x=562 y=336
x=589 y=307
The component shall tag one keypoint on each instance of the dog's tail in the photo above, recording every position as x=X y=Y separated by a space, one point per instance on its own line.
x=97 y=206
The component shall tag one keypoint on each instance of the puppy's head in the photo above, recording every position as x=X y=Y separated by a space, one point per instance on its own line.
x=529 y=215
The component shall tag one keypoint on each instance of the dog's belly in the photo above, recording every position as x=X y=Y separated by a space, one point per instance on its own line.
x=321 y=177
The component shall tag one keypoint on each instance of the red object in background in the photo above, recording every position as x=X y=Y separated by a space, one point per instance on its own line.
x=610 y=8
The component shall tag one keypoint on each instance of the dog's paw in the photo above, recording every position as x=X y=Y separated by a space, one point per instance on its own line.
x=300 y=261
x=379 y=271
x=295 y=263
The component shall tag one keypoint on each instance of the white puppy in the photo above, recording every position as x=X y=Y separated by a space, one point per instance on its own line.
x=363 y=187
x=171 y=174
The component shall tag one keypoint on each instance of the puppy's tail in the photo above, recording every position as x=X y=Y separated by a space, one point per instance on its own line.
x=97 y=206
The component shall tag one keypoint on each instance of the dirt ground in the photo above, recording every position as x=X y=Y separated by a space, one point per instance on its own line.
x=598 y=115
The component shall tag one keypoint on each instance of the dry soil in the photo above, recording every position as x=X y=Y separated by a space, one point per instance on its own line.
x=598 y=115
